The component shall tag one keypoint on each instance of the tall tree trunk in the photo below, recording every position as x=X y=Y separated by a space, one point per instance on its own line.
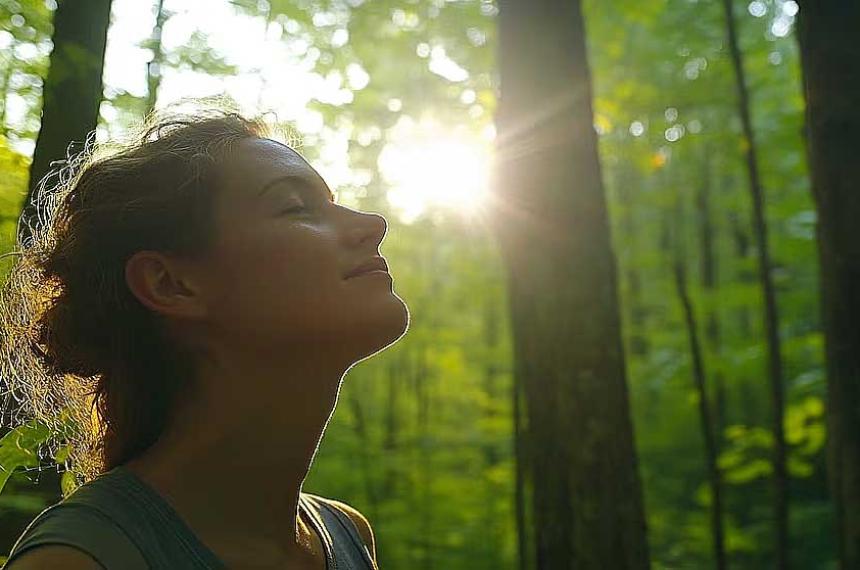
x=831 y=62
x=425 y=466
x=366 y=463
x=154 y=65
x=554 y=237
x=771 y=314
x=711 y=450
x=708 y=271
x=394 y=372
x=72 y=90
x=707 y=424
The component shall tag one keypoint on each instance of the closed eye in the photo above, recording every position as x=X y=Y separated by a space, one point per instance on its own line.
x=293 y=209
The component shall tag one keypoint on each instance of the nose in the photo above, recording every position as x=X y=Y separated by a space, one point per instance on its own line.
x=367 y=226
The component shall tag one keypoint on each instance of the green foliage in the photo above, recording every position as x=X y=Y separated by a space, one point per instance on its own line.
x=18 y=448
x=25 y=29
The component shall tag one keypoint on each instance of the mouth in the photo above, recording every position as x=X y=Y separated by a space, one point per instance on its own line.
x=374 y=265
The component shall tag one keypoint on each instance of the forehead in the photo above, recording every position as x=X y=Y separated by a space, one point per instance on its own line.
x=255 y=161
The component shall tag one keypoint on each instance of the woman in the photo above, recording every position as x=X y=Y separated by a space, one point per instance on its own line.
x=203 y=291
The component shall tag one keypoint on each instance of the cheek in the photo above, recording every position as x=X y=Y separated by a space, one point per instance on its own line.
x=278 y=277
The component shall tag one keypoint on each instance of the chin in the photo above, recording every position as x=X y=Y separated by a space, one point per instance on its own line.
x=388 y=326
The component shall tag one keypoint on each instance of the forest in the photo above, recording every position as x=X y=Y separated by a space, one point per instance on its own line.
x=624 y=231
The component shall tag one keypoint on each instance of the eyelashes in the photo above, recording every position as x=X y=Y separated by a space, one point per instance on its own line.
x=293 y=209
x=299 y=208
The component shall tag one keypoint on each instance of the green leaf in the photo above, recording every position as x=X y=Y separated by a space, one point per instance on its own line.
x=19 y=448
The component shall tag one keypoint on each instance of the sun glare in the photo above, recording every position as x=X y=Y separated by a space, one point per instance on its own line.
x=428 y=167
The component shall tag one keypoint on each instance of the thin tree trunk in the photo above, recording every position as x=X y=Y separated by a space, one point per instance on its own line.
x=425 y=466
x=771 y=314
x=707 y=425
x=154 y=66
x=741 y=242
x=554 y=236
x=709 y=280
x=392 y=426
x=363 y=437
x=713 y=421
x=4 y=89
x=831 y=64
x=520 y=459
x=72 y=90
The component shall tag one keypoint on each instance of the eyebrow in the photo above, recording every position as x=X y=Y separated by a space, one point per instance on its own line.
x=302 y=182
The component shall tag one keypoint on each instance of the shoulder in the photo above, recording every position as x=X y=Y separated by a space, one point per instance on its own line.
x=74 y=536
x=54 y=556
x=360 y=521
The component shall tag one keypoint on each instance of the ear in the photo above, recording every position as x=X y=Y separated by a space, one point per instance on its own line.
x=164 y=285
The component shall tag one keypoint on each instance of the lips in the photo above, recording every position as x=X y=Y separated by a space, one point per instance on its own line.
x=375 y=263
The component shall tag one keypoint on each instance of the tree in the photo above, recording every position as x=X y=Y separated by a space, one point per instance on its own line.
x=829 y=53
x=552 y=227
x=771 y=312
x=72 y=88
x=707 y=424
x=23 y=63
x=153 y=66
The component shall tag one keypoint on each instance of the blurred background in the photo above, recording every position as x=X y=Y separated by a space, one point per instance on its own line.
x=394 y=103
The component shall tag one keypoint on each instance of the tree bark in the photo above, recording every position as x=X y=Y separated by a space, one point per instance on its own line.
x=72 y=90
x=771 y=314
x=831 y=64
x=553 y=232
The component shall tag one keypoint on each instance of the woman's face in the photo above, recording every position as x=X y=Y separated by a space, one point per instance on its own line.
x=275 y=277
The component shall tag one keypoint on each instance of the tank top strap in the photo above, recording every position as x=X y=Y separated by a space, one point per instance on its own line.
x=313 y=516
x=351 y=553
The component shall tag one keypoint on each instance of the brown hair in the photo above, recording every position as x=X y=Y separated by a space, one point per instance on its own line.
x=76 y=343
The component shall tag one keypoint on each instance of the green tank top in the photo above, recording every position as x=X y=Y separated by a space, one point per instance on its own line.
x=124 y=524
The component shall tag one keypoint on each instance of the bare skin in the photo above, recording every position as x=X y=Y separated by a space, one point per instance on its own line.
x=278 y=326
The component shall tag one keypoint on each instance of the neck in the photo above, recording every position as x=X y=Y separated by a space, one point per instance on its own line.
x=249 y=420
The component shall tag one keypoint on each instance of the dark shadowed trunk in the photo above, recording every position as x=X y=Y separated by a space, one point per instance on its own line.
x=553 y=232
x=831 y=63
x=771 y=314
x=72 y=90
